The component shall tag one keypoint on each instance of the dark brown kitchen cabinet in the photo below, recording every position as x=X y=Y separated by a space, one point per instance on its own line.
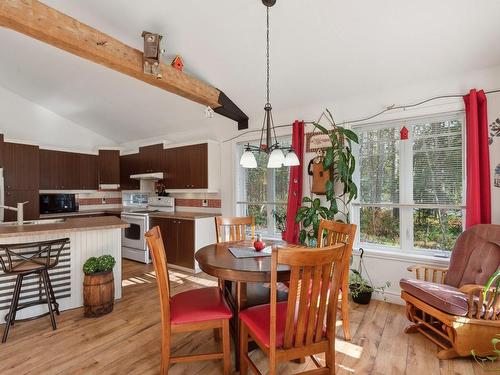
x=151 y=158
x=31 y=210
x=129 y=164
x=60 y=170
x=109 y=167
x=178 y=238
x=20 y=166
x=187 y=167
x=88 y=167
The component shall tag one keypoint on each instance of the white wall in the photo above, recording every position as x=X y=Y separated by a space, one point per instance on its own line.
x=25 y=121
x=381 y=267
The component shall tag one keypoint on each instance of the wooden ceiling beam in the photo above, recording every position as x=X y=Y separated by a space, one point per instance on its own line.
x=41 y=22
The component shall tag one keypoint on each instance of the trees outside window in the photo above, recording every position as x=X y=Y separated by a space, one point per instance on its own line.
x=260 y=191
x=411 y=192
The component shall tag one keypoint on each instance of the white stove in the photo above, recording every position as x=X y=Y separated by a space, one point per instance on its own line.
x=136 y=214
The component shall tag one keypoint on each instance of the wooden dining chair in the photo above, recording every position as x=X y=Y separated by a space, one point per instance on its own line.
x=296 y=328
x=331 y=233
x=193 y=310
x=234 y=228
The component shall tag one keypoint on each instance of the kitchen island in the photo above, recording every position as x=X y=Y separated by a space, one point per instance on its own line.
x=87 y=237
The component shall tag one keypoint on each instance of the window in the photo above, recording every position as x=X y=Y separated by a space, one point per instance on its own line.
x=262 y=192
x=411 y=192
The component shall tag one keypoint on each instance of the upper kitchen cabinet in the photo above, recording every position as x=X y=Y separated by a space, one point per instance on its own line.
x=129 y=164
x=89 y=175
x=20 y=166
x=109 y=167
x=60 y=170
x=151 y=158
x=193 y=167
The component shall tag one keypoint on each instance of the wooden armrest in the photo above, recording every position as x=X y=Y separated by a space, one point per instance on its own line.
x=481 y=305
x=429 y=273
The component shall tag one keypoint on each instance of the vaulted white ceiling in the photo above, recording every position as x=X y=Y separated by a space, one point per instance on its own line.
x=321 y=50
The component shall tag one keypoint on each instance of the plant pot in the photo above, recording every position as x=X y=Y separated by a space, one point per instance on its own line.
x=98 y=294
x=363 y=298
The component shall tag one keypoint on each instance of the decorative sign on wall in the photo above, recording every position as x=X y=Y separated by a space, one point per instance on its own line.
x=494 y=130
x=317 y=141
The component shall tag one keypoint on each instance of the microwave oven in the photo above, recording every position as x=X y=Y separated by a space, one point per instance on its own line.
x=57 y=203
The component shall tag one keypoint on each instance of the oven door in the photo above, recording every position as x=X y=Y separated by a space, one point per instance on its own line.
x=133 y=236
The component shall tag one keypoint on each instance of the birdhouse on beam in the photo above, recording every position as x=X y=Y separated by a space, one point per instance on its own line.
x=177 y=63
x=404 y=133
x=152 y=52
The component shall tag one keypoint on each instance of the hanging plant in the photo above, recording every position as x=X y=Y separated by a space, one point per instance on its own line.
x=341 y=163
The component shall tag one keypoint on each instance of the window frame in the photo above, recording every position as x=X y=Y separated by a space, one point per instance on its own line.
x=406 y=205
x=241 y=202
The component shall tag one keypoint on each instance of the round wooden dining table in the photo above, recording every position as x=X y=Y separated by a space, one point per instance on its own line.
x=242 y=279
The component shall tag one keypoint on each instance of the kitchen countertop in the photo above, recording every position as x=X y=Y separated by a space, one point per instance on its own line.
x=69 y=225
x=187 y=215
x=82 y=213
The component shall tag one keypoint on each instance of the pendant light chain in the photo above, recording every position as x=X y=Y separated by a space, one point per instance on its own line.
x=267 y=56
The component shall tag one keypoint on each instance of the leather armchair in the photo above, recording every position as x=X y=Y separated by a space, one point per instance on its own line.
x=448 y=306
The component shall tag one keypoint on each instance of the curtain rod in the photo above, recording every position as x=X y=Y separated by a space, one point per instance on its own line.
x=389 y=108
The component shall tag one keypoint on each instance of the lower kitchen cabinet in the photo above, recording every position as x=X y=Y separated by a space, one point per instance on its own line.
x=183 y=237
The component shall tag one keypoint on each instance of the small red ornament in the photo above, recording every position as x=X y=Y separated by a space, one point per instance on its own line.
x=404 y=133
x=177 y=63
x=259 y=245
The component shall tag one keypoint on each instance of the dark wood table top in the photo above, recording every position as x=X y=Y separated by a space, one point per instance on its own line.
x=216 y=260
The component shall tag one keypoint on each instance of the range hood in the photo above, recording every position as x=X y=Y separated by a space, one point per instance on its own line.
x=148 y=176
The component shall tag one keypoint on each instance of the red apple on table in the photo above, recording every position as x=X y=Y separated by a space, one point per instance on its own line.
x=259 y=245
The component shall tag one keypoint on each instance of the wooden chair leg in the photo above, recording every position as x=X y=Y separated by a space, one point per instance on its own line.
x=345 y=313
x=226 y=347
x=330 y=358
x=165 y=355
x=243 y=349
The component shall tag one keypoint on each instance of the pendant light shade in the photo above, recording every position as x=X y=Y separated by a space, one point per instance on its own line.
x=291 y=159
x=276 y=159
x=248 y=160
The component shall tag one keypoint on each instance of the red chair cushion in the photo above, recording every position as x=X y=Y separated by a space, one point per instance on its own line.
x=198 y=305
x=257 y=319
x=443 y=297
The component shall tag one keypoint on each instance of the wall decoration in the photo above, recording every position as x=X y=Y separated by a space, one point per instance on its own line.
x=178 y=63
x=494 y=130
x=317 y=142
x=497 y=176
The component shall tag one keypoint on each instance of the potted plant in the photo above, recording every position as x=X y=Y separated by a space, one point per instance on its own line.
x=98 y=286
x=341 y=163
x=280 y=219
x=361 y=288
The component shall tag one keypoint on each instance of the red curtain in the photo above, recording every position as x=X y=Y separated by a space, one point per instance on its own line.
x=291 y=235
x=478 y=195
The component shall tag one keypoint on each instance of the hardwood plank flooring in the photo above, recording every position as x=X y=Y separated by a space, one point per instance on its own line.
x=127 y=341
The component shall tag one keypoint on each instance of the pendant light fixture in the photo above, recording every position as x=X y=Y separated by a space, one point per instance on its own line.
x=276 y=157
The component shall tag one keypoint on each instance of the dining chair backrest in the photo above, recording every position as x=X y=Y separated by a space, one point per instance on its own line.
x=332 y=232
x=234 y=228
x=315 y=277
x=157 y=251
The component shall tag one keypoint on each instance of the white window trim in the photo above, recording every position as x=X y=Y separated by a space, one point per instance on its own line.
x=406 y=250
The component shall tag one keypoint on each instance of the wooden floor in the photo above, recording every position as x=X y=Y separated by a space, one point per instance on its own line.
x=127 y=341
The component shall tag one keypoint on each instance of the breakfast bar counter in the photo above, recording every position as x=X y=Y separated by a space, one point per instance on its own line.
x=87 y=237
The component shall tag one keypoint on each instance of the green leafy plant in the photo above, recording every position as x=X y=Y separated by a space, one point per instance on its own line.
x=341 y=163
x=493 y=282
x=104 y=263
x=280 y=218
x=358 y=284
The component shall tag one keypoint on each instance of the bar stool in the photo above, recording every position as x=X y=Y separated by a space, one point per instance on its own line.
x=26 y=259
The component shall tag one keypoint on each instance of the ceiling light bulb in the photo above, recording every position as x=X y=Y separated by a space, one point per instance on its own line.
x=276 y=159
x=248 y=160
x=291 y=159
x=209 y=112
